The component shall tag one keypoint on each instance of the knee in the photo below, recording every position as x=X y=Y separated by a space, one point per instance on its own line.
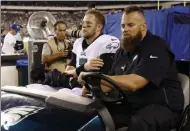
x=136 y=121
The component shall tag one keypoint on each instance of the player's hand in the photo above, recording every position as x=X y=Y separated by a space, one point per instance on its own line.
x=80 y=78
x=72 y=72
x=93 y=64
x=84 y=91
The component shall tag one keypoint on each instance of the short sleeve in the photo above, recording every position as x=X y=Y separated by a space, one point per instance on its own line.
x=153 y=66
x=46 y=51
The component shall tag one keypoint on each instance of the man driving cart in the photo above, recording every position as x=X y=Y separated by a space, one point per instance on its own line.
x=145 y=70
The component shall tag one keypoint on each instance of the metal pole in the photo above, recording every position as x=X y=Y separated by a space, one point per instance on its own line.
x=30 y=59
x=158 y=5
x=0 y=68
x=184 y=3
x=32 y=48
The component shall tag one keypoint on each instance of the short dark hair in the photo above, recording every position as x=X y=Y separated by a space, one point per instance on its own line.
x=131 y=9
x=99 y=16
x=59 y=22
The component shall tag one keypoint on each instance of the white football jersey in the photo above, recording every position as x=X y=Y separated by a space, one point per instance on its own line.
x=102 y=45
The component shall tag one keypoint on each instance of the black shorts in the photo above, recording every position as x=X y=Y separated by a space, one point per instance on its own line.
x=159 y=117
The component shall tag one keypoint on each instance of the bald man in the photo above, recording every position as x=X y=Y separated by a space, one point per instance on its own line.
x=145 y=70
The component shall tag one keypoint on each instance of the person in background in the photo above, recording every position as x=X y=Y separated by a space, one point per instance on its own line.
x=55 y=53
x=10 y=40
x=18 y=35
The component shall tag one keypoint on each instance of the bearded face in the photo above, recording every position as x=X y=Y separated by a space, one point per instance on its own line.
x=133 y=27
x=129 y=41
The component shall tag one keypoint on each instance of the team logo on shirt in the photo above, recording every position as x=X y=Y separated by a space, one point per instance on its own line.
x=153 y=57
x=123 y=67
x=110 y=46
x=113 y=39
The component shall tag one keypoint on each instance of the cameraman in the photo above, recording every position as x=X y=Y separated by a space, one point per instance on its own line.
x=55 y=51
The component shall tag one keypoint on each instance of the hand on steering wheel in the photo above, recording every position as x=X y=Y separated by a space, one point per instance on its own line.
x=93 y=79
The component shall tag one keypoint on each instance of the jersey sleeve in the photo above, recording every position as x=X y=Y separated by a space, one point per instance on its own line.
x=112 y=45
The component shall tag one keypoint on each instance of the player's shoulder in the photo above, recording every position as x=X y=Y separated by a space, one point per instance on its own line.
x=110 y=43
x=9 y=37
x=109 y=38
x=156 y=43
x=78 y=41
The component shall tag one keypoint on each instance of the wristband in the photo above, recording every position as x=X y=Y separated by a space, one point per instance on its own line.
x=80 y=69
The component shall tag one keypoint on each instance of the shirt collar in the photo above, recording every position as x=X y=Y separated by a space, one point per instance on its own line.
x=95 y=38
x=143 y=41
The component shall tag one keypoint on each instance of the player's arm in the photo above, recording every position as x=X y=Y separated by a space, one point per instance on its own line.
x=72 y=64
x=125 y=82
x=149 y=70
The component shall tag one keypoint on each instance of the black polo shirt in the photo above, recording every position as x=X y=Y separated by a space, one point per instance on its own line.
x=153 y=60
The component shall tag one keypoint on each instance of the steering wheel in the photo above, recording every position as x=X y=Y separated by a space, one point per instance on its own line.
x=94 y=79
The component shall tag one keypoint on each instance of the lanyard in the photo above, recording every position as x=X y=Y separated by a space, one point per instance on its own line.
x=58 y=46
